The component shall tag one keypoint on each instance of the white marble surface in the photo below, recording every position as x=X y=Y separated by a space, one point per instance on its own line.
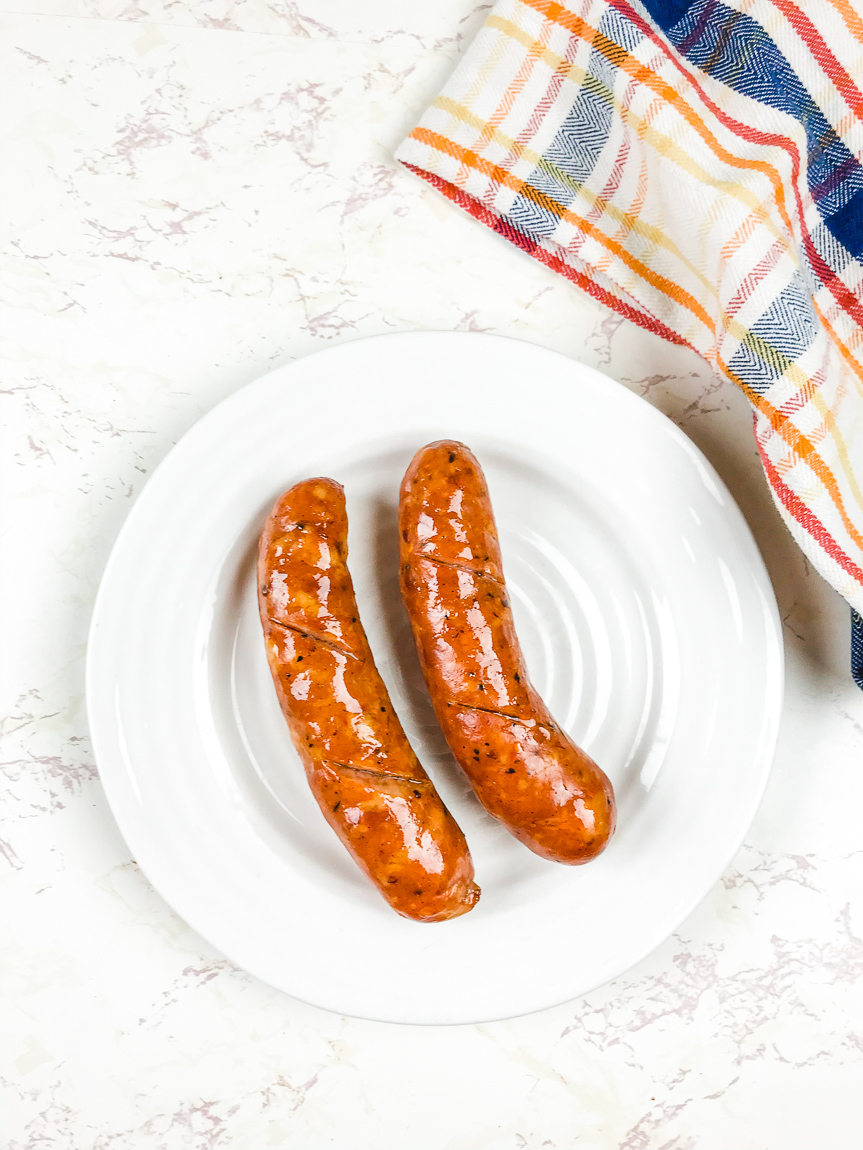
x=195 y=193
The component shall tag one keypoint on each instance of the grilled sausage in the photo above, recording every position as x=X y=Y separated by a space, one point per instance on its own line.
x=363 y=772
x=525 y=770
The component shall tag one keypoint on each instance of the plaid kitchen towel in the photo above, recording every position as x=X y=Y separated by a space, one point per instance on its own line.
x=697 y=167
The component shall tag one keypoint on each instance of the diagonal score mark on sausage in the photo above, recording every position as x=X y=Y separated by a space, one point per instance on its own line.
x=478 y=571
x=314 y=636
x=518 y=718
x=376 y=773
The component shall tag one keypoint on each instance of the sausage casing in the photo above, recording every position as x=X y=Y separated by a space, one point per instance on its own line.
x=363 y=772
x=525 y=770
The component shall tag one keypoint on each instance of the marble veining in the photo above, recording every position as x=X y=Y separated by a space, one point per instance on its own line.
x=202 y=192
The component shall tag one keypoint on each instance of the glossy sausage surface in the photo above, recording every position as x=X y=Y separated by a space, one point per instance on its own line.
x=363 y=772
x=525 y=770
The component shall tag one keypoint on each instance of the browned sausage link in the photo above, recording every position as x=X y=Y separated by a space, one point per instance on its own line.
x=524 y=769
x=361 y=768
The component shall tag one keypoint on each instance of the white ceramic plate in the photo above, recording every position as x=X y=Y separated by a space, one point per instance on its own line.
x=648 y=623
